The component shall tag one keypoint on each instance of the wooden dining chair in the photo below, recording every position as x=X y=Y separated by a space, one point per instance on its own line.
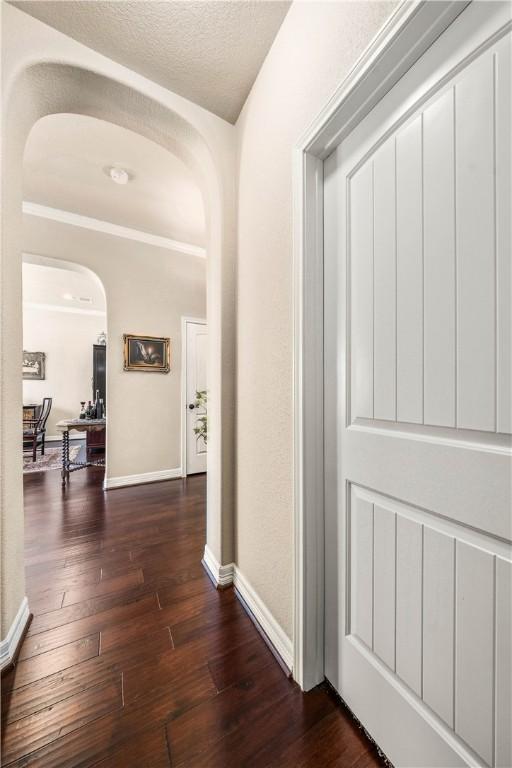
x=34 y=430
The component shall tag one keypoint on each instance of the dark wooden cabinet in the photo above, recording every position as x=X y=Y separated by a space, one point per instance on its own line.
x=95 y=442
x=96 y=439
x=99 y=372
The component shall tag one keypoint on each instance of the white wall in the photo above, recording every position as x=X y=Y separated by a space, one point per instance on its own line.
x=148 y=290
x=67 y=341
x=314 y=50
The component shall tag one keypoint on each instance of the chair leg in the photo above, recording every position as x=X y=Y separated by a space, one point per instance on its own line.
x=34 y=449
x=42 y=446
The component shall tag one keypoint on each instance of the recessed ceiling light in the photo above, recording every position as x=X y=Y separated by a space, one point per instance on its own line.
x=118 y=175
x=70 y=297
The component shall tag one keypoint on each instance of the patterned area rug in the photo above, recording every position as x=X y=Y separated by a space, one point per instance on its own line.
x=52 y=459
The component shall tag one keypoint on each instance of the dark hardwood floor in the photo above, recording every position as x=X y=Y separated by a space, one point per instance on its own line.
x=134 y=659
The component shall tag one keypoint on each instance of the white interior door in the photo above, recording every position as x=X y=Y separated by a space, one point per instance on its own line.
x=196 y=381
x=418 y=405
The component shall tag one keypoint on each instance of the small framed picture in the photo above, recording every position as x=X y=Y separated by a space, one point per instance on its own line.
x=33 y=365
x=146 y=353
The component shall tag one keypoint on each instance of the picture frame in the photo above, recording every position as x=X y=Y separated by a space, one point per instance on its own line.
x=147 y=353
x=34 y=366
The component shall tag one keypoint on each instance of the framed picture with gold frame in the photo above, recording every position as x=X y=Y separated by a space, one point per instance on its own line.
x=147 y=353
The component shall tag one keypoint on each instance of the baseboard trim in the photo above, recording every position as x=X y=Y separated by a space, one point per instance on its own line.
x=10 y=647
x=221 y=575
x=227 y=575
x=272 y=632
x=146 y=477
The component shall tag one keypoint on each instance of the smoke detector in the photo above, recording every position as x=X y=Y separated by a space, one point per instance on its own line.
x=118 y=175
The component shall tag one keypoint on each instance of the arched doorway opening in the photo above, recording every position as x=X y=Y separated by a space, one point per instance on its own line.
x=145 y=240
x=35 y=91
x=65 y=324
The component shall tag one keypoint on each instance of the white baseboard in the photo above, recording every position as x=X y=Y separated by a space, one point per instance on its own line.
x=262 y=616
x=9 y=646
x=221 y=575
x=145 y=477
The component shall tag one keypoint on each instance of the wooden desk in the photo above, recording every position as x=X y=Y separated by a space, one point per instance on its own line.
x=81 y=425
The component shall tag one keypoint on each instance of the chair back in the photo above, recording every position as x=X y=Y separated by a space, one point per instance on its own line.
x=45 y=412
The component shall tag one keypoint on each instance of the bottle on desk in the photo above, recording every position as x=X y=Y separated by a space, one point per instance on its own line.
x=99 y=410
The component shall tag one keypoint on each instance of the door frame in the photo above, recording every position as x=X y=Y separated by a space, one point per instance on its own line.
x=184 y=322
x=406 y=35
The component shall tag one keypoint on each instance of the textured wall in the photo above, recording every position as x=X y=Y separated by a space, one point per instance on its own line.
x=315 y=48
x=147 y=290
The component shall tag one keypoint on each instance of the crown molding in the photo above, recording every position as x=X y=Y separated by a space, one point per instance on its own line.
x=108 y=228
x=60 y=308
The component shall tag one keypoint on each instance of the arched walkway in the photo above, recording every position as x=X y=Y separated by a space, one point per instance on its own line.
x=35 y=90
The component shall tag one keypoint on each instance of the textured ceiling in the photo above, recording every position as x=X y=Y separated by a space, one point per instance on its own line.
x=208 y=51
x=64 y=167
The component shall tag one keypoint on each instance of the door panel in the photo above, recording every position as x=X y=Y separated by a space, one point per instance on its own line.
x=503 y=93
x=196 y=381
x=418 y=455
x=503 y=662
x=409 y=273
x=439 y=267
x=455 y=146
x=361 y=582
x=422 y=598
x=409 y=598
x=361 y=233
x=384 y=283
x=475 y=233
x=474 y=647
x=438 y=626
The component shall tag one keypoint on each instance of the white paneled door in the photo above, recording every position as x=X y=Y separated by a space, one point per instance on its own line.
x=418 y=405
x=195 y=381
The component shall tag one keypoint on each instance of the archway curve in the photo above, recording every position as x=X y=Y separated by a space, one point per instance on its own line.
x=43 y=88
x=72 y=266
x=60 y=88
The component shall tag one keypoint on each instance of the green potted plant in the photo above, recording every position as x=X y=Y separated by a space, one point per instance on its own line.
x=201 y=428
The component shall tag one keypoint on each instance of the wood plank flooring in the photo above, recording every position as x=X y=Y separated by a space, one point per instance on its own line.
x=133 y=659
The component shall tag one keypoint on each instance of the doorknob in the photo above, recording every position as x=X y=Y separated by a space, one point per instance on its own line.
x=191 y=406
